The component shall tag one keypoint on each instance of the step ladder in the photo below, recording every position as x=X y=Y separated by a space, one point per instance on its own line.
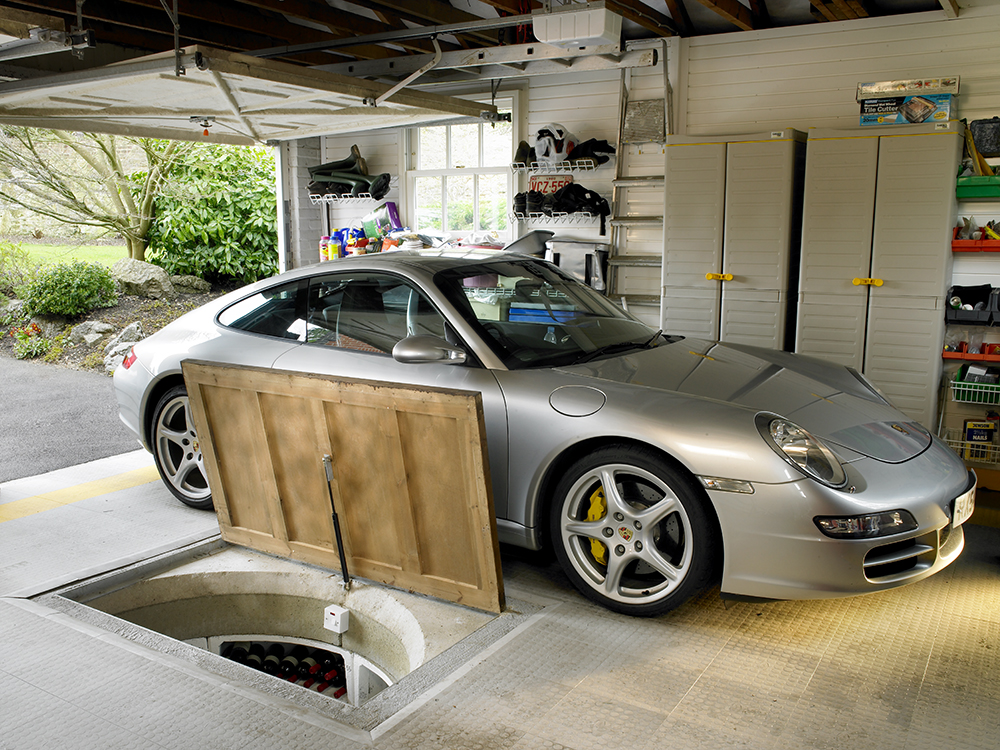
x=636 y=247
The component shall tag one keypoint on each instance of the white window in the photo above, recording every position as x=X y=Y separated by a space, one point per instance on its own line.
x=459 y=176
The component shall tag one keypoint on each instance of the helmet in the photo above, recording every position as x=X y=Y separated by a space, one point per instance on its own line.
x=553 y=143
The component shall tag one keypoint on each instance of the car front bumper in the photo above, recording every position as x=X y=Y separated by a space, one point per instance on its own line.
x=774 y=550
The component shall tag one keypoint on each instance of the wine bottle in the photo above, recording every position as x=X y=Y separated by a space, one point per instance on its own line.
x=339 y=692
x=272 y=660
x=310 y=664
x=235 y=651
x=290 y=664
x=255 y=658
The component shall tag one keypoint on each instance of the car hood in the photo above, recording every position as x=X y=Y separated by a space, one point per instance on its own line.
x=824 y=398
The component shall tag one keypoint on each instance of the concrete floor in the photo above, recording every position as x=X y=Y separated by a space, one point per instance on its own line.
x=914 y=668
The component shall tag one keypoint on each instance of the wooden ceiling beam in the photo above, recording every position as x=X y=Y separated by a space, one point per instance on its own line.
x=734 y=12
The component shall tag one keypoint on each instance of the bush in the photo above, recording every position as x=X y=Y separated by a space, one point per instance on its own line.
x=70 y=289
x=219 y=220
x=16 y=268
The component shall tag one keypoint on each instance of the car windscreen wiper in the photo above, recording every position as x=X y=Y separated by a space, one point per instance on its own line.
x=620 y=347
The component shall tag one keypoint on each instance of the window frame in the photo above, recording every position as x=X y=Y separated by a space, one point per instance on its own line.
x=504 y=101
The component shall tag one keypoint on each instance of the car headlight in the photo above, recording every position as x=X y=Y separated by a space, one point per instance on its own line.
x=803 y=451
x=866 y=527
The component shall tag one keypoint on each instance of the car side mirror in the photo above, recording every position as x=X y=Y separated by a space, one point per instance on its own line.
x=415 y=350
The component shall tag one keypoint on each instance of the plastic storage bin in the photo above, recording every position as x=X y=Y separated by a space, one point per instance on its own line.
x=982 y=294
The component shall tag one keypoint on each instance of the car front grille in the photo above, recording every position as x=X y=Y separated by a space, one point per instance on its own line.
x=898 y=561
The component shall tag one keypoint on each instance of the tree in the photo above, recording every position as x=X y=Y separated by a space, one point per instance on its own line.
x=217 y=218
x=88 y=179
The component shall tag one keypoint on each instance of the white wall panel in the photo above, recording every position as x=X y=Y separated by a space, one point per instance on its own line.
x=806 y=77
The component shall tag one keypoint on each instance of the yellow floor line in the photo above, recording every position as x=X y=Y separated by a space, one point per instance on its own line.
x=36 y=504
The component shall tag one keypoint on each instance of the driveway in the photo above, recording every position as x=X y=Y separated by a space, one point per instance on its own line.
x=53 y=417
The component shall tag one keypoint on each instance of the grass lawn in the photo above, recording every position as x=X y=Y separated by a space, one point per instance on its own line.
x=51 y=254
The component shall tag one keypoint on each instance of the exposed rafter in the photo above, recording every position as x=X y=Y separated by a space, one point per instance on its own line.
x=734 y=12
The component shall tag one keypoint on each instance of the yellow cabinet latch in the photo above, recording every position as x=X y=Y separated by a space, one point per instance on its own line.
x=719 y=276
x=868 y=282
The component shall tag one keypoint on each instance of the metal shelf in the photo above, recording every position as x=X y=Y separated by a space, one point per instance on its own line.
x=972 y=452
x=343 y=200
x=562 y=167
x=575 y=219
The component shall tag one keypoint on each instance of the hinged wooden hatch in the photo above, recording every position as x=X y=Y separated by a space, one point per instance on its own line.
x=411 y=476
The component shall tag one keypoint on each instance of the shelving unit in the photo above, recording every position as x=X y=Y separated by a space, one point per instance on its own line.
x=561 y=167
x=580 y=218
x=341 y=200
x=965 y=400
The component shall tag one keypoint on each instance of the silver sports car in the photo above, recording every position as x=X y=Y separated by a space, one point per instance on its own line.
x=650 y=463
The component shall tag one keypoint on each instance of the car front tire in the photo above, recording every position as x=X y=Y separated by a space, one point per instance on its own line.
x=632 y=532
x=177 y=451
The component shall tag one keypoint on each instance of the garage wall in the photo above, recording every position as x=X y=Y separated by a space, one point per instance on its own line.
x=743 y=82
x=807 y=77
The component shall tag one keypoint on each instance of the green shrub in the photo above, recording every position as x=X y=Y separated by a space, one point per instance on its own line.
x=70 y=289
x=16 y=268
x=219 y=219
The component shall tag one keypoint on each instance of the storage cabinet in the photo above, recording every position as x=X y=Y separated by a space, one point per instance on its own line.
x=878 y=214
x=731 y=236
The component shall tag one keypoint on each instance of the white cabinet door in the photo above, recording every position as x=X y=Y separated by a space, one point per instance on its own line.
x=837 y=219
x=694 y=210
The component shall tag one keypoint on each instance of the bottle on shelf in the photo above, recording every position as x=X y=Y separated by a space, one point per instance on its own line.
x=290 y=664
x=272 y=658
x=256 y=655
x=311 y=664
x=235 y=651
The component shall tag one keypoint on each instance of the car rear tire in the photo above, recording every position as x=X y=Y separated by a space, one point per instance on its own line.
x=632 y=532
x=177 y=451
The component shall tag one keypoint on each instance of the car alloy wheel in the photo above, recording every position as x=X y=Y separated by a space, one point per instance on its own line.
x=632 y=532
x=178 y=452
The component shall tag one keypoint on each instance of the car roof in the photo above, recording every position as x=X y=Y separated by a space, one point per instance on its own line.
x=429 y=260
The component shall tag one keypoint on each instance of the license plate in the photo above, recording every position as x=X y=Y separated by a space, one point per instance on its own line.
x=548 y=183
x=964 y=505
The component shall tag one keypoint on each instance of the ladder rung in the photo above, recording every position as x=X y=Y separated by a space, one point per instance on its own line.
x=636 y=260
x=636 y=299
x=632 y=221
x=655 y=180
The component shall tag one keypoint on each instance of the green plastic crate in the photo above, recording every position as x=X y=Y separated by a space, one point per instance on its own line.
x=978 y=187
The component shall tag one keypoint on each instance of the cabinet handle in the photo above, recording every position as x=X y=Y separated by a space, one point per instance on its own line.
x=868 y=282
x=719 y=276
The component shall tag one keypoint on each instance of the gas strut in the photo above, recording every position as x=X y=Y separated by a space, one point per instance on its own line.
x=328 y=467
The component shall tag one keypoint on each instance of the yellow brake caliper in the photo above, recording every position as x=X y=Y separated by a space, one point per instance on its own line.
x=598 y=510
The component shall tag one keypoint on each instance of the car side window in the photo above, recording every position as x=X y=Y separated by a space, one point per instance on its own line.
x=277 y=312
x=367 y=312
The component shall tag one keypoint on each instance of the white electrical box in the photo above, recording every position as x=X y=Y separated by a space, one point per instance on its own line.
x=336 y=619
x=568 y=28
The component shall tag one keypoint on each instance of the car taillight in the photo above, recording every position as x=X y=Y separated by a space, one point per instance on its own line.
x=129 y=358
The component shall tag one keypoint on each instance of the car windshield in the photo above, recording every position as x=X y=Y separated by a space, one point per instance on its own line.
x=533 y=315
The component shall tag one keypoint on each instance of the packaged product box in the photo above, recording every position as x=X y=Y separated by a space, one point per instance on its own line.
x=979 y=432
x=381 y=221
x=907 y=102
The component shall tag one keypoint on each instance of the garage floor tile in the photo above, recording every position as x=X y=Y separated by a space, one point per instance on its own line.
x=916 y=668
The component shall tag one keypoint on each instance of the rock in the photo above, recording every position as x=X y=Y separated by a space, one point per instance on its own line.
x=89 y=332
x=142 y=279
x=119 y=346
x=185 y=284
x=129 y=335
x=51 y=325
x=15 y=308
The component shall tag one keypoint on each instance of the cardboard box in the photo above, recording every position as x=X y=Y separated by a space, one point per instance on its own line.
x=907 y=110
x=978 y=431
x=906 y=102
